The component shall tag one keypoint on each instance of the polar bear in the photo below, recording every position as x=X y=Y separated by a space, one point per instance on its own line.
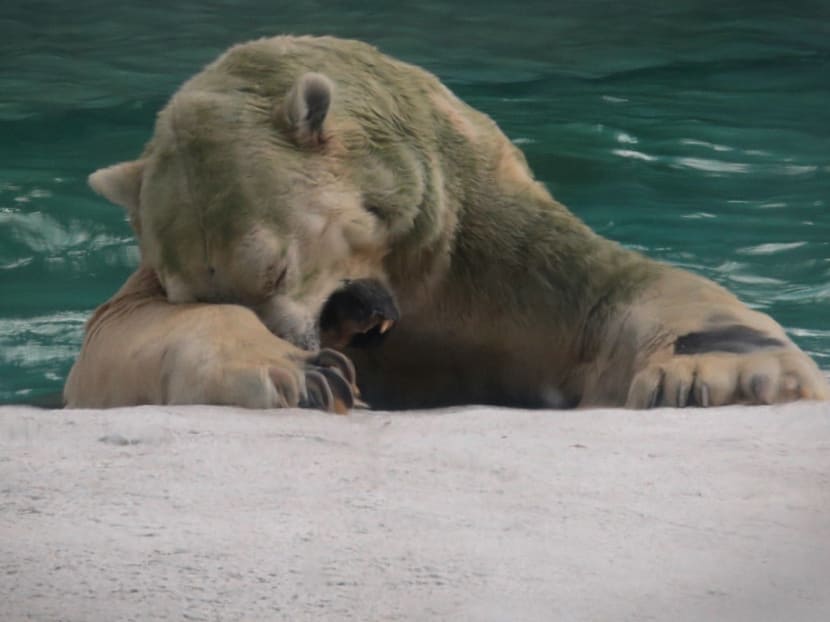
x=293 y=170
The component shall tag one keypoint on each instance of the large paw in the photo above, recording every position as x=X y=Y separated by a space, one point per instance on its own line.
x=324 y=380
x=716 y=379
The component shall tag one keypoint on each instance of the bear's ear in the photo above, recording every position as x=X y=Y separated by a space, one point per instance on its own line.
x=119 y=183
x=306 y=106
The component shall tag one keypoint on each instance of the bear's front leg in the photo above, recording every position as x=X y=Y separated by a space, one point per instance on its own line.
x=141 y=349
x=271 y=373
x=689 y=342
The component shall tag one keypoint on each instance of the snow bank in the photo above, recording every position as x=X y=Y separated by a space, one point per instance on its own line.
x=204 y=513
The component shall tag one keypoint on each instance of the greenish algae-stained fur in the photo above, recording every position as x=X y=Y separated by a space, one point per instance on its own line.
x=293 y=164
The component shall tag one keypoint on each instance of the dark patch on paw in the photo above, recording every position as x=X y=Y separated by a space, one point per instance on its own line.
x=735 y=339
x=359 y=314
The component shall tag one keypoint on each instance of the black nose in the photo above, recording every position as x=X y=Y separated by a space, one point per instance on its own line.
x=358 y=314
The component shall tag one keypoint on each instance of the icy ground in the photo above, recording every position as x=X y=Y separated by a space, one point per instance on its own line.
x=202 y=513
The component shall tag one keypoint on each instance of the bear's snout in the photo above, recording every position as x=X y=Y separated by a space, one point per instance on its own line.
x=359 y=314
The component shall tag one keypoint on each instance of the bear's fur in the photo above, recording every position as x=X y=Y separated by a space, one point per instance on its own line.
x=293 y=164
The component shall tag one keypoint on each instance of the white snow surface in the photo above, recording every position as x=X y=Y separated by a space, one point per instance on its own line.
x=209 y=513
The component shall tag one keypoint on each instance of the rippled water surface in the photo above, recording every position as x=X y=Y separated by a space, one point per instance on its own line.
x=698 y=132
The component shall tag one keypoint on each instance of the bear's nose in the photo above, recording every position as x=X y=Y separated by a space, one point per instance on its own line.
x=358 y=314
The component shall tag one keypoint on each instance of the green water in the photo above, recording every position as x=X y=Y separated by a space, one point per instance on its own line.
x=698 y=132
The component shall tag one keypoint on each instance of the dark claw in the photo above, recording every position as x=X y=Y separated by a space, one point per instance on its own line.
x=657 y=393
x=332 y=358
x=339 y=389
x=318 y=393
x=682 y=396
x=331 y=382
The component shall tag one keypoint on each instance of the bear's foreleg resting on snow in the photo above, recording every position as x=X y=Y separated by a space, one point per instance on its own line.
x=141 y=349
x=695 y=344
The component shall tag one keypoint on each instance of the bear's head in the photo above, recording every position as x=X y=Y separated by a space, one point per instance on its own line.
x=292 y=164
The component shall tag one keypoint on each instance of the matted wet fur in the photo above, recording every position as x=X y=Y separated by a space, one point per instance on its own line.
x=293 y=165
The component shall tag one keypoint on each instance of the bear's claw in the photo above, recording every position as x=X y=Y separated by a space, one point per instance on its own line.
x=330 y=383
